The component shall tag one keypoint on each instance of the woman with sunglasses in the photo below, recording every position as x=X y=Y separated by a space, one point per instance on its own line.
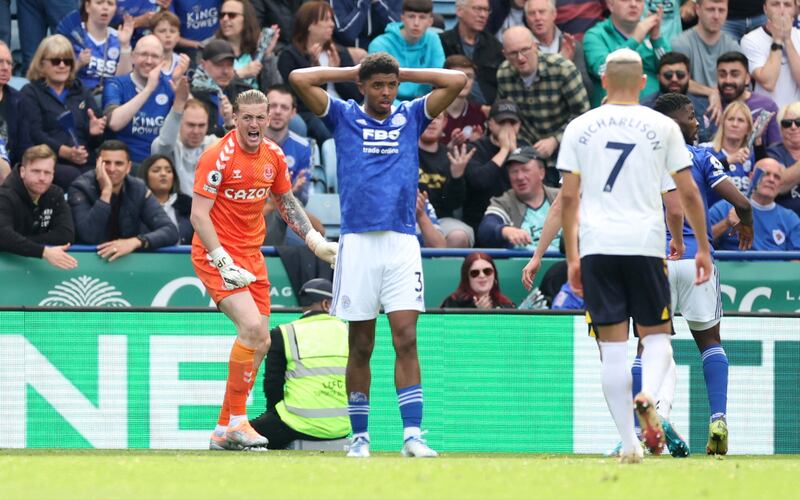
x=730 y=147
x=479 y=286
x=159 y=174
x=239 y=25
x=788 y=154
x=100 y=51
x=60 y=111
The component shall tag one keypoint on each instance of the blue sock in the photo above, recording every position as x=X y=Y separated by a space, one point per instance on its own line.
x=358 y=410
x=410 y=401
x=636 y=387
x=715 y=371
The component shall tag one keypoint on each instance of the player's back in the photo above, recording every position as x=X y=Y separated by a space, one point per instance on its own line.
x=622 y=153
x=240 y=183
x=377 y=165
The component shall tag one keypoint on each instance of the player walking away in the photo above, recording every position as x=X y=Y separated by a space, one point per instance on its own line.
x=380 y=263
x=614 y=159
x=232 y=183
x=701 y=305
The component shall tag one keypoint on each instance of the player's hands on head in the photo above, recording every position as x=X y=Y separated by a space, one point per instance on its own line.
x=233 y=276
x=324 y=250
x=530 y=270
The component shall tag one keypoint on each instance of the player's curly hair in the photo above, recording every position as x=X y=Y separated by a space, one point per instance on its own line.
x=668 y=104
x=378 y=63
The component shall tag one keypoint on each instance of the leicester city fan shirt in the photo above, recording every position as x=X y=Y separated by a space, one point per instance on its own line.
x=377 y=164
x=145 y=125
x=199 y=18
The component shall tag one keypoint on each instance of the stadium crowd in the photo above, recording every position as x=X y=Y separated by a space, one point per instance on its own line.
x=127 y=94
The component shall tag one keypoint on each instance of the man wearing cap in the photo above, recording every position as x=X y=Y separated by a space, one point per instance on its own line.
x=216 y=85
x=304 y=374
x=485 y=174
x=547 y=87
x=515 y=219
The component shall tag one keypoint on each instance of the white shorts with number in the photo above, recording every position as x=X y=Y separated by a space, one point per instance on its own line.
x=701 y=305
x=374 y=269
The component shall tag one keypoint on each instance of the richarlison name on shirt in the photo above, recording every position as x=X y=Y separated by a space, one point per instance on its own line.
x=377 y=141
x=621 y=122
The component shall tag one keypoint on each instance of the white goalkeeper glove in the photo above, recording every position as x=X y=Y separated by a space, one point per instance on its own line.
x=233 y=276
x=325 y=250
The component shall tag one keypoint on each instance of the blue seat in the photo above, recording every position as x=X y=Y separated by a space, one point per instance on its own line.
x=326 y=208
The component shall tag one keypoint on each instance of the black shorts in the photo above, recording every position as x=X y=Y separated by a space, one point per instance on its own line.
x=618 y=287
x=277 y=432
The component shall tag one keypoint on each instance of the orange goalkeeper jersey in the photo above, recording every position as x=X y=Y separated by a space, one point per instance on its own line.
x=240 y=183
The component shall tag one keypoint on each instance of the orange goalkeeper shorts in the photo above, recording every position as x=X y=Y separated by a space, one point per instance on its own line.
x=213 y=282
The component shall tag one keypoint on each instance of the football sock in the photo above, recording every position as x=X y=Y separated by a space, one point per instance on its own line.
x=616 y=380
x=715 y=371
x=240 y=378
x=410 y=401
x=225 y=412
x=666 y=394
x=636 y=376
x=358 y=410
x=656 y=357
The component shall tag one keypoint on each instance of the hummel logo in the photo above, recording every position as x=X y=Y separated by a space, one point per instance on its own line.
x=237 y=174
x=248 y=376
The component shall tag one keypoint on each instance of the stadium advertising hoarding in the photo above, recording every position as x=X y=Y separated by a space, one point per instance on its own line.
x=163 y=279
x=493 y=383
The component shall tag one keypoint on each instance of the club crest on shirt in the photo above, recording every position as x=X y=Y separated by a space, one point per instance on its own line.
x=778 y=236
x=113 y=53
x=398 y=120
x=290 y=161
x=162 y=99
x=269 y=173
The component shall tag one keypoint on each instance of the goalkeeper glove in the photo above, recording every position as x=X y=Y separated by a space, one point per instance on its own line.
x=233 y=276
x=325 y=250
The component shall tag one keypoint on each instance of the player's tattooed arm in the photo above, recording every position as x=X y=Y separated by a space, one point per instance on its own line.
x=292 y=212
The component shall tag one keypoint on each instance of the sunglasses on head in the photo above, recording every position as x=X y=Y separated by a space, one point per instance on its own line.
x=476 y=272
x=788 y=123
x=669 y=74
x=57 y=61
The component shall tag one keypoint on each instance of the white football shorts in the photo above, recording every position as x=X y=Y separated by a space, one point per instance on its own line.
x=701 y=305
x=375 y=269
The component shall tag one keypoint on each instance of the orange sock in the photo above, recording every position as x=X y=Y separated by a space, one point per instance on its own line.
x=225 y=413
x=241 y=376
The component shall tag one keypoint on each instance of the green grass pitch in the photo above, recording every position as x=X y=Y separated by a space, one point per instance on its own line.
x=33 y=474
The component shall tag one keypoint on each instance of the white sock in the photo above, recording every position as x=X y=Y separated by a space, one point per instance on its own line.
x=220 y=430
x=411 y=431
x=617 y=380
x=363 y=435
x=656 y=357
x=235 y=420
x=666 y=394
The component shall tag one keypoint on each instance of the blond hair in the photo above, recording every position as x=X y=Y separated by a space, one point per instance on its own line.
x=793 y=108
x=35 y=153
x=719 y=137
x=250 y=97
x=52 y=46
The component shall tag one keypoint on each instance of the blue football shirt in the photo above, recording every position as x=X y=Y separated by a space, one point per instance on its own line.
x=377 y=164
x=298 y=158
x=775 y=228
x=104 y=58
x=199 y=18
x=739 y=173
x=146 y=123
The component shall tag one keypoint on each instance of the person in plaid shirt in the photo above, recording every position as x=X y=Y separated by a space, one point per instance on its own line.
x=547 y=88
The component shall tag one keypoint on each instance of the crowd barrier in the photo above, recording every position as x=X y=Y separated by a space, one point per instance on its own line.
x=166 y=279
x=514 y=382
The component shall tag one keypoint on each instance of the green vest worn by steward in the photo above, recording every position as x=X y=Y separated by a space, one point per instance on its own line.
x=315 y=399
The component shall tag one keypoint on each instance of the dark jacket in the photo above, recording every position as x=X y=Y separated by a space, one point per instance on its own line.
x=42 y=108
x=183 y=210
x=139 y=213
x=280 y=12
x=18 y=129
x=211 y=100
x=291 y=59
x=26 y=228
x=485 y=180
x=488 y=57
x=359 y=21
x=456 y=301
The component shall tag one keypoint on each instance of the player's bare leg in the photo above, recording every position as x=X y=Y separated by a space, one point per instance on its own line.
x=358 y=378
x=249 y=348
x=715 y=371
x=656 y=359
x=612 y=340
x=407 y=380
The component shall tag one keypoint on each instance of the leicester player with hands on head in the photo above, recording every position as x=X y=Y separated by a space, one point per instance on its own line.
x=234 y=178
x=380 y=263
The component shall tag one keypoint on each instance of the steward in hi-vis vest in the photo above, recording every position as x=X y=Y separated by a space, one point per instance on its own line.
x=304 y=376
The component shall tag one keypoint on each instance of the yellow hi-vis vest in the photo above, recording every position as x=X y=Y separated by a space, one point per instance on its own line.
x=315 y=398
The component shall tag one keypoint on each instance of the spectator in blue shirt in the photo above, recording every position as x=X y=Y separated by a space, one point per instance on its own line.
x=775 y=228
x=137 y=104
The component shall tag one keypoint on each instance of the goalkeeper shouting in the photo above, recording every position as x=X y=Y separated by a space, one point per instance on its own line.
x=232 y=183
